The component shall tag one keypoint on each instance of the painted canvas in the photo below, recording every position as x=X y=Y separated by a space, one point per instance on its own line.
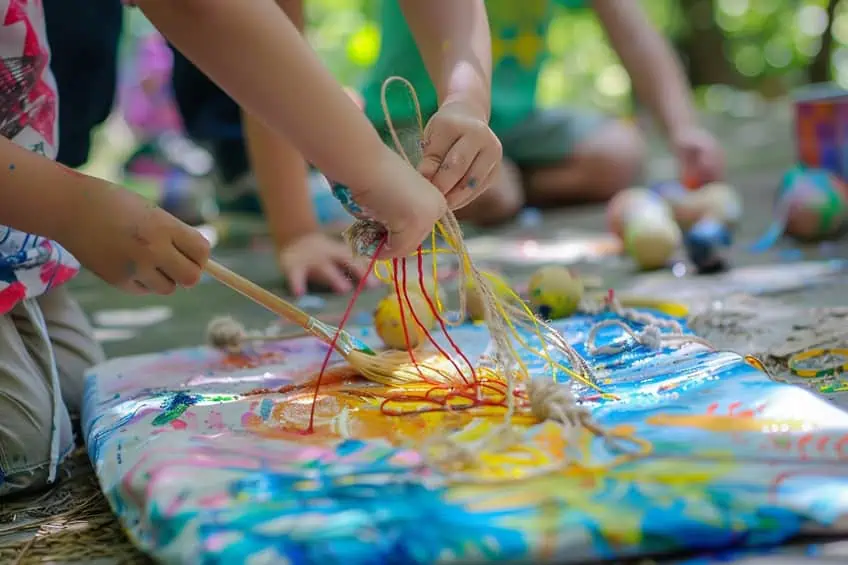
x=204 y=458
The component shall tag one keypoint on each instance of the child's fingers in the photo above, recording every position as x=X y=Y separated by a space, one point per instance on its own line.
x=403 y=241
x=455 y=165
x=469 y=195
x=156 y=282
x=334 y=277
x=180 y=269
x=193 y=245
x=478 y=178
x=356 y=267
x=437 y=144
x=297 y=280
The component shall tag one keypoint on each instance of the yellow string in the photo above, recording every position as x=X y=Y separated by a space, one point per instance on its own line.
x=514 y=297
x=466 y=264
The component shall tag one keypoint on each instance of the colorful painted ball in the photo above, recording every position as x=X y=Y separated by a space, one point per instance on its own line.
x=627 y=203
x=652 y=240
x=474 y=305
x=555 y=292
x=816 y=203
x=390 y=323
x=707 y=244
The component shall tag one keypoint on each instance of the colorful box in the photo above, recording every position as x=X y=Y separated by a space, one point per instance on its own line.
x=821 y=128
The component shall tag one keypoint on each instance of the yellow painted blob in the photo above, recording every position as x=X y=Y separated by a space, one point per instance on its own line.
x=474 y=302
x=555 y=292
x=389 y=323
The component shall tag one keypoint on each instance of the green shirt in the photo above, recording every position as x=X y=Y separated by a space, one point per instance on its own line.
x=519 y=31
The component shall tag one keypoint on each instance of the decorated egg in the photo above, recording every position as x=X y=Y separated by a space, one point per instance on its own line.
x=721 y=202
x=555 y=292
x=707 y=244
x=651 y=240
x=628 y=202
x=717 y=200
x=474 y=299
x=815 y=203
x=390 y=323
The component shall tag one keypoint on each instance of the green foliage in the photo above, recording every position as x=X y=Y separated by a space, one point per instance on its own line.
x=768 y=42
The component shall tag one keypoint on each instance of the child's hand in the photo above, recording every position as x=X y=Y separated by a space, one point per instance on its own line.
x=700 y=156
x=315 y=257
x=461 y=155
x=132 y=244
x=400 y=199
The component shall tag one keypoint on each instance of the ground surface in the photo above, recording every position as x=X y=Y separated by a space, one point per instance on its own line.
x=71 y=523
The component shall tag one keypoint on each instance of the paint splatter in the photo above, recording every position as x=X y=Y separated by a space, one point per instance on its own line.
x=175 y=407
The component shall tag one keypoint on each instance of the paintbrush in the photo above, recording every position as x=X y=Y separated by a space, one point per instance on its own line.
x=388 y=368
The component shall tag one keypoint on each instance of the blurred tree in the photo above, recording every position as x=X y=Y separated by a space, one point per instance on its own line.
x=821 y=68
x=702 y=45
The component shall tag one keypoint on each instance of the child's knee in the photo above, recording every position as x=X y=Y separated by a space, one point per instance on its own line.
x=26 y=431
x=612 y=159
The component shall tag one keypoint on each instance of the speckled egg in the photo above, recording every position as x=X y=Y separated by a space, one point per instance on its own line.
x=627 y=203
x=474 y=303
x=555 y=292
x=389 y=323
x=651 y=240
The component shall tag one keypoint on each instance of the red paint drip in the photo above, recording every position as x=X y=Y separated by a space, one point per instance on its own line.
x=359 y=288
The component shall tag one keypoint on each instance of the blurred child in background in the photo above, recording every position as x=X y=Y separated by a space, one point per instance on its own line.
x=166 y=165
x=563 y=155
x=553 y=157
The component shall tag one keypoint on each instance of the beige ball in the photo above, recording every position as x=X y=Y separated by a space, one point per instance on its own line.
x=687 y=210
x=474 y=299
x=652 y=240
x=555 y=292
x=717 y=200
x=628 y=203
x=389 y=323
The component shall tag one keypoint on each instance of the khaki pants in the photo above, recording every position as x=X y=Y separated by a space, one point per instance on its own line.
x=46 y=345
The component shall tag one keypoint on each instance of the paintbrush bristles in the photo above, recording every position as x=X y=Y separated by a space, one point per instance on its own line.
x=394 y=368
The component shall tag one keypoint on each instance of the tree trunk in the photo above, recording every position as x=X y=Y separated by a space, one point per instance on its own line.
x=820 y=69
x=702 y=45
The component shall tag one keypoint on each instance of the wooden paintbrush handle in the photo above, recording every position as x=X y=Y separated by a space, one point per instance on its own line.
x=258 y=294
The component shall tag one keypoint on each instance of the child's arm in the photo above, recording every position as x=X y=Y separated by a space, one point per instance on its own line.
x=279 y=168
x=659 y=81
x=304 y=253
x=455 y=45
x=116 y=234
x=255 y=53
x=461 y=154
x=37 y=193
x=654 y=69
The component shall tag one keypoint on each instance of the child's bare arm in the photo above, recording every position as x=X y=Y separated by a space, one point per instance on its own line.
x=454 y=41
x=116 y=234
x=255 y=53
x=654 y=69
x=38 y=195
x=280 y=169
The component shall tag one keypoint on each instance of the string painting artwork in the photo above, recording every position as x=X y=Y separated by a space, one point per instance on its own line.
x=608 y=431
